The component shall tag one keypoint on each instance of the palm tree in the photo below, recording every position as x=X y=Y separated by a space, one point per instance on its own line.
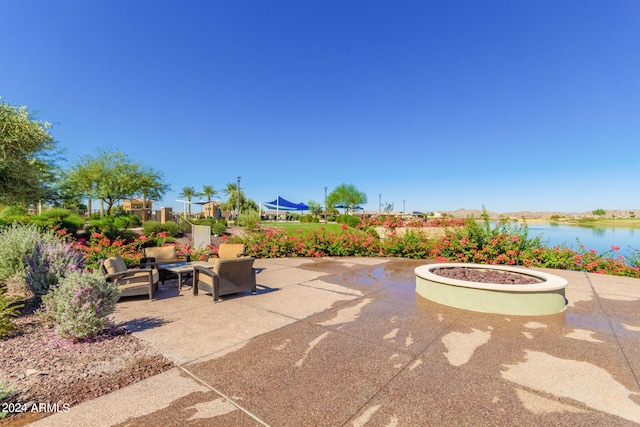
x=208 y=191
x=188 y=193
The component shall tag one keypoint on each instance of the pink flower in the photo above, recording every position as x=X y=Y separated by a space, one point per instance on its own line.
x=615 y=248
x=344 y=226
x=162 y=234
x=143 y=238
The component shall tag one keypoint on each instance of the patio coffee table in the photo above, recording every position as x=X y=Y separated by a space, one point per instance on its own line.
x=181 y=268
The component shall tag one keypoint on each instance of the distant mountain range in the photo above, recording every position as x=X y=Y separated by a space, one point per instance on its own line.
x=477 y=213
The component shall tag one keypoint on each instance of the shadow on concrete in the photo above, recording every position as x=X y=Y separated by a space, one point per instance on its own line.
x=142 y=324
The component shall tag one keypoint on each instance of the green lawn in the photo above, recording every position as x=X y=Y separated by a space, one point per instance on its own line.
x=606 y=222
x=305 y=227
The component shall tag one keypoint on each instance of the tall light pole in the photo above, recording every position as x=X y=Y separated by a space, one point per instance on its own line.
x=238 y=199
x=325 y=200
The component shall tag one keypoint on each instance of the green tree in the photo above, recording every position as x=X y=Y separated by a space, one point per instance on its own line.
x=82 y=178
x=346 y=195
x=188 y=193
x=233 y=195
x=151 y=185
x=26 y=157
x=314 y=207
x=599 y=212
x=231 y=190
x=208 y=192
x=112 y=177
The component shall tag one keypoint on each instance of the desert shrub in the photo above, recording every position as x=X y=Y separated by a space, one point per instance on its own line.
x=49 y=262
x=250 y=220
x=60 y=219
x=8 y=211
x=7 y=312
x=309 y=218
x=218 y=228
x=205 y=221
x=80 y=304
x=17 y=242
x=171 y=228
x=100 y=224
x=155 y=227
x=5 y=390
x=152 y=227
x=121 y=222
x=126 y=219
x=350 y=220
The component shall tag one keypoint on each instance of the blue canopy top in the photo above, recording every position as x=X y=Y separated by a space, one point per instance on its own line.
x=283 y=204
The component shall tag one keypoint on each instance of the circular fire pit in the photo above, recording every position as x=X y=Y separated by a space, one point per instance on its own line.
x=492 y=288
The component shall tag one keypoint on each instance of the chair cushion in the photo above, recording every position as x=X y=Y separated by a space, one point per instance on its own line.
x=230 y=250
x=162 y=253
x=115 y=264
x=139 y=278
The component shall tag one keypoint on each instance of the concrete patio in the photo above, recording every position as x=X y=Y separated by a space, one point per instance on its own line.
x=346 y=342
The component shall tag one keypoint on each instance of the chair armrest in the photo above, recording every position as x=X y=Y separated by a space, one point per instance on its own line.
x=197 y=271
x=200 y=269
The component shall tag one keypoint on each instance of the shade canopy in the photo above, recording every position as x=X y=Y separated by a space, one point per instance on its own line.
x=280 y=203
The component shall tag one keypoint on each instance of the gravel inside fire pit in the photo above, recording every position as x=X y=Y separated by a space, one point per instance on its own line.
x=485 y=275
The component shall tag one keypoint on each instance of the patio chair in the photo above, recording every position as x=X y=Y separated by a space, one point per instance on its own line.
x=228 y=276
x=231 y=251
x=130 y=281
x=158 y=255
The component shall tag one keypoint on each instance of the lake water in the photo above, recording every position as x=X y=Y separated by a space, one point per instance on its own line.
x=600 y=239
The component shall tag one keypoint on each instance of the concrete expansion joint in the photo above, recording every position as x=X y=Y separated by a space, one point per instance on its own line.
x=224 y=396
x=612 y=328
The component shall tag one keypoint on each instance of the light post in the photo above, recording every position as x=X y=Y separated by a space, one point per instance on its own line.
x=325 y=201
x=238 y=199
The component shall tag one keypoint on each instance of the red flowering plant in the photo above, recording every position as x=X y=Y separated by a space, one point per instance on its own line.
x=100 y=247
x=587 y=260
x=411 y=244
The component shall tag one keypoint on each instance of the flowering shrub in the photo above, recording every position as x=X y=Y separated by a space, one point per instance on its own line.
x=100 y=247
x=79 y=305
x=480 y=243
x=49 y=262
x=391 y=221
x=16 y=243
x=273 y=243
x=412 y=244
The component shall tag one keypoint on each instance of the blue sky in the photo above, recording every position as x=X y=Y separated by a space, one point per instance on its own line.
x=434 y=105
